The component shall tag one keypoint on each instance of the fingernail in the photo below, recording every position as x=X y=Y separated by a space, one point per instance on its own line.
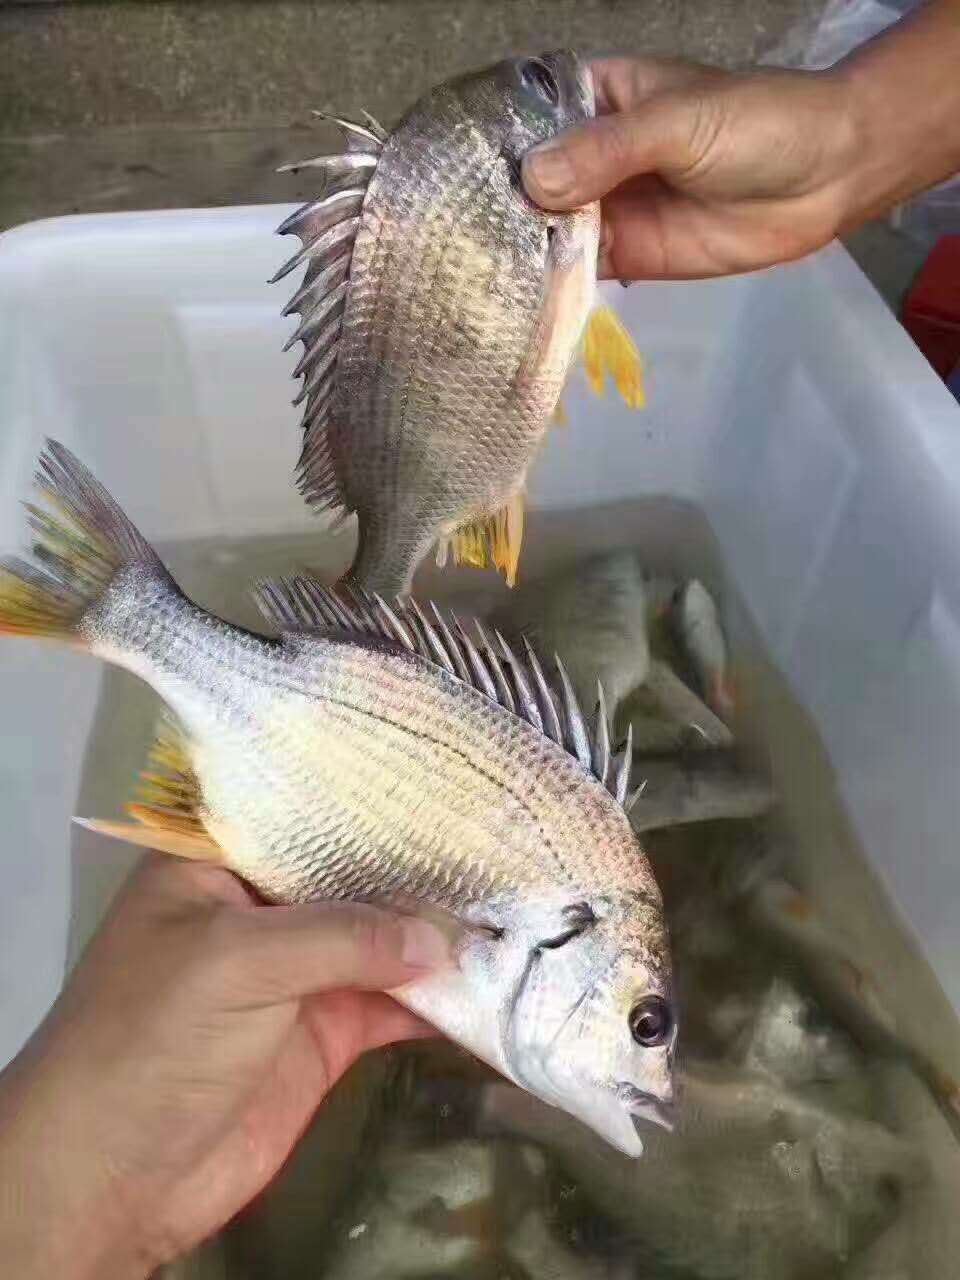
x=424 y=946
x=548 y=168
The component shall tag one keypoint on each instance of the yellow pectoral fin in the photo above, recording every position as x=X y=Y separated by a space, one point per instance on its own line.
x=609 y=348
x=559 y=416
x=179 y=843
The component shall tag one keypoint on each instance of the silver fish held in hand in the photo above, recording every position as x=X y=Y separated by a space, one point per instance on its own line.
x=371 y=753
x=440 y=311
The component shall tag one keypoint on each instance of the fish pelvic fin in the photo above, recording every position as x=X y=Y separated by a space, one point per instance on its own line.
x=81 y=540
x=167 y=811
x=490 y=541
x=608 y=348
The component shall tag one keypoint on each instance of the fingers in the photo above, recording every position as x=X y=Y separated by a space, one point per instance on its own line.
x=636 y=237
x=172 y=883
x=342 y=1025
x=271 y=954
x=361 y=1020
x=621 y=84
x=667 y=136
x=253 y=955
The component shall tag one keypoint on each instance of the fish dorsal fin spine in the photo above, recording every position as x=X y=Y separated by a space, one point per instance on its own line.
x=327 y=227
x=301 y=605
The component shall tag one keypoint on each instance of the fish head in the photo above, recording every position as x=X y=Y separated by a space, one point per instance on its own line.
x=527 y=100
x=592 y=1025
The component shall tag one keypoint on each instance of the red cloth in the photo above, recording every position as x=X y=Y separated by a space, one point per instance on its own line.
x=931 y=313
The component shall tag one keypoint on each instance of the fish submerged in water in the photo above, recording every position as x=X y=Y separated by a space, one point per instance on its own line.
x=696 y=621
x=595 y=617
x=374 y=755
x=439 y=314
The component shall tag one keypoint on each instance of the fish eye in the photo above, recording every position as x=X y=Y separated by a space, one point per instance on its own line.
x=650 y=1021
x=538 y=78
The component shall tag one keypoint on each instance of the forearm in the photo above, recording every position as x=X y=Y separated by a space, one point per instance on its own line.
x=57 y=1217
x=904 y=93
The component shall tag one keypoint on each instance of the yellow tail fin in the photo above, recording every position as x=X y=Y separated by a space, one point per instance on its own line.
x=79 y=545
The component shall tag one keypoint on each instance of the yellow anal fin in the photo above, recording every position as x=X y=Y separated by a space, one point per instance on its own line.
x=609 y=348
x=559 y=416
x=507 y=559
x=167 y=812
x=492 y=540
x=181 y=845
x=469 y=544
x=168 y=794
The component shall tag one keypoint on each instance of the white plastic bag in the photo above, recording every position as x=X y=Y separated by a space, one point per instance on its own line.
x=817 y=43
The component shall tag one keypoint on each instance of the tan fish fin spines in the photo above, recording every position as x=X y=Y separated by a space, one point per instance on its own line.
x=327 y=227
x=301 y=606
x=608 y=348
x=489 y=541
x=81 y=539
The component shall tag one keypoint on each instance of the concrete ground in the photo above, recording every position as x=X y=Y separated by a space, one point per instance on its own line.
x=151 y=104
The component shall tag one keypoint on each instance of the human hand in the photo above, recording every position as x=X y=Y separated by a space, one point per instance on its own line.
x=184 y=1059
x=702 y=172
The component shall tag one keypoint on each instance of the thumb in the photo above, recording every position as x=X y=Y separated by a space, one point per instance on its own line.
x=275 y=954
x=585 y=162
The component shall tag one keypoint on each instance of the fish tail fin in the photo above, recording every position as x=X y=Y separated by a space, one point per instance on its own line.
x=609 y=348
x=81 y=540
x=490 y=540
x=167 y=812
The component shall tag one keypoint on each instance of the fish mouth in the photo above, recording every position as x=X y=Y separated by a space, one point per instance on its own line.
x=646 y=1107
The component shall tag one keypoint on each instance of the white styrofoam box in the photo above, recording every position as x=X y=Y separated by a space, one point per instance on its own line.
x=788 y=405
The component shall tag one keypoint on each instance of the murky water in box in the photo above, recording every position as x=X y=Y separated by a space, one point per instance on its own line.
x=811 y=1142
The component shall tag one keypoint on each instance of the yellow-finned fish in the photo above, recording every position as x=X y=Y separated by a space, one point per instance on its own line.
x=439 y=313
x=374 y=754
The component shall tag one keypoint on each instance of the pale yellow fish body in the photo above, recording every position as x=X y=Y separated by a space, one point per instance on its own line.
x=371 y=755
